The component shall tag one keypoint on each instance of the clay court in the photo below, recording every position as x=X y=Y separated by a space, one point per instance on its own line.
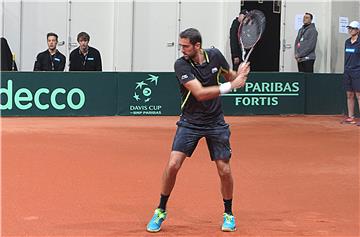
x=100 y=176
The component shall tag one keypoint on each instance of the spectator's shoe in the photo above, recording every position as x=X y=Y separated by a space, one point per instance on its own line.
x=349 y=120
x=155 y=222
x=229 y=223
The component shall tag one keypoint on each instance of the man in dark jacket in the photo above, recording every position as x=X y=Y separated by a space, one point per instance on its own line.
x=305 y=45
x=51 y=59
x=84 y=57
x=7 y=57
x=235 y=48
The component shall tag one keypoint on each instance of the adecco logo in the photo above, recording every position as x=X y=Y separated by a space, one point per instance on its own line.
x=23 y=98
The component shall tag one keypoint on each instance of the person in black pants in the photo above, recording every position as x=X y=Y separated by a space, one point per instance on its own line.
x=84 y=57
x=352 y=71
x=51 y=59
x=236 y=51
x=305 y=45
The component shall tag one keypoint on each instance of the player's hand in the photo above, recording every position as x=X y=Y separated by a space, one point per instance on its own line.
x=238 y=82
x=243 y=73
x=244 y=68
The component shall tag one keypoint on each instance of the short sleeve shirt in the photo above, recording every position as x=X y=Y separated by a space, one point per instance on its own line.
x=352 y=55
x=208 y=74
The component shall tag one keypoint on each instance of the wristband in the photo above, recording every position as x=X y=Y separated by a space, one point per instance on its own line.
x=225 y=88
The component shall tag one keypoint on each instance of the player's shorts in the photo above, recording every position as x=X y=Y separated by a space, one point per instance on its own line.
x=217 y=138
x=352 y=81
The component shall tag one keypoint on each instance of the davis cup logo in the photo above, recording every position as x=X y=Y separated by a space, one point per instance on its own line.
x=144 y=88
x=142 y=97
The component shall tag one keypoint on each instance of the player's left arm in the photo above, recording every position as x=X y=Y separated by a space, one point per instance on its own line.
x=226 y=72
x=232 y=75
x=229 y=75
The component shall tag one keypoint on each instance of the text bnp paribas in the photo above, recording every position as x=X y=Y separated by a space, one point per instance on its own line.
x=264 y=93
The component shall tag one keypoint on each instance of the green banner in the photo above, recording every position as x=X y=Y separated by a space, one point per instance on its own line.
x=58 y=94
x=139 y=94
x=148 y=94
x=268 y=93
x=325 y=94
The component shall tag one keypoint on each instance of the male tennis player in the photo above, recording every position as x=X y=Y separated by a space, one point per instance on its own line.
x=198 y=73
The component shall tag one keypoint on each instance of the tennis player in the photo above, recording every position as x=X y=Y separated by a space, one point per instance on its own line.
x=198 y=73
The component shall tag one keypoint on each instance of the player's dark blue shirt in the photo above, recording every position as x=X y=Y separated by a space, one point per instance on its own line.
x=195 y=112
x=352 y=55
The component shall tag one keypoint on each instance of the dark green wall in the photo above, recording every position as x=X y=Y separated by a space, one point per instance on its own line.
x=100 y=90
x=111 y=93
x=268 y=93
x=324 y=94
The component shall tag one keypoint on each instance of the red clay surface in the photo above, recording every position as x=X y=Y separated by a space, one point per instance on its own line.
x=100 y=176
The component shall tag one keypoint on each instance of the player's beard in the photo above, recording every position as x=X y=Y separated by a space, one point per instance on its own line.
x=191 y=56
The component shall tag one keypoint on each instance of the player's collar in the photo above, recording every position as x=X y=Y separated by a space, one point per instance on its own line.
x=206 y=56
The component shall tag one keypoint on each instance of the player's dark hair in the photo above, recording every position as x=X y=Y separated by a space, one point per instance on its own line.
x=52 y=34
x=193 y=35
x=83 y=36
x=311 y=16
x=243 y=12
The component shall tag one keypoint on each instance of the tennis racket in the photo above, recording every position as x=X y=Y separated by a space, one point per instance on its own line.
x=250 y=31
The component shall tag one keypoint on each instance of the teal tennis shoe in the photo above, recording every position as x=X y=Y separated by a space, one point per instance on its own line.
x=156 y=221
x=229 y=223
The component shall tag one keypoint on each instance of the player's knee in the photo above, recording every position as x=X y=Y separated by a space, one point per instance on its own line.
x=173 y=167
x=224 y=172
x=350 y=95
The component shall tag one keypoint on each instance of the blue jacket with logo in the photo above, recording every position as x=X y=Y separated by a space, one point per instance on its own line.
x=352 y=56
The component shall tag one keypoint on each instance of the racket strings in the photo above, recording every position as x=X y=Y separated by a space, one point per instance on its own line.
x=252 y=28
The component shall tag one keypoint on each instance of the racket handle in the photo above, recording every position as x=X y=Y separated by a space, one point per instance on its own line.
x=13 y=62
x=243 y=56
x=248 y=55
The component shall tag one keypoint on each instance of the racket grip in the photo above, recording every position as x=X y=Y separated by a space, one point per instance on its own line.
x=13 y=62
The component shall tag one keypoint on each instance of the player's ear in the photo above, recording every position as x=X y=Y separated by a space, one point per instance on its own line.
x=197 y=45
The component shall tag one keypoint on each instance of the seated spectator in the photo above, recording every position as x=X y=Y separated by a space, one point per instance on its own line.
x=51 y=59
x=84 y=57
